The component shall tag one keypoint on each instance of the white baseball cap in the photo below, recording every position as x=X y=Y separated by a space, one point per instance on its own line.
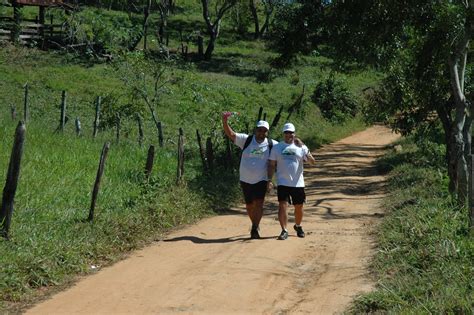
x=263 y=123
x=289 y=127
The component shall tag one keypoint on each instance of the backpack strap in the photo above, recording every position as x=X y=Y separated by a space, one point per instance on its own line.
x=270 y=145
x=247 y=142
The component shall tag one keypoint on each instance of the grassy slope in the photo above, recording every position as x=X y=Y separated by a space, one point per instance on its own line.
x=50 y=241
x=425 y=256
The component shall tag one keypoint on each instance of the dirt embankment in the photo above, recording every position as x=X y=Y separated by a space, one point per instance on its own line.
x=213 y=268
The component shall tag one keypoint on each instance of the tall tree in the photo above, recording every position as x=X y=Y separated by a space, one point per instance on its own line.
x=297 y=27
x=424 y=47
x=213 y=25
x=268 y=9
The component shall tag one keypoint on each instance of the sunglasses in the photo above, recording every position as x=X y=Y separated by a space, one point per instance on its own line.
x=288 y=132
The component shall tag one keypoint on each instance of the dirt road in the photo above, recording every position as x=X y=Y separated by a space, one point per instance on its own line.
x=213 y=268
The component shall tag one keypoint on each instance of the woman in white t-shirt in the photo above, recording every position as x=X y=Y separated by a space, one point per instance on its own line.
x=253 y=168
x=288 y=159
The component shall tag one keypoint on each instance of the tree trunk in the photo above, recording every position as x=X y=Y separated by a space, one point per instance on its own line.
x=268 y=12
x=445 y=117
x=210 y=45
x=146 y=13
x=253 y=9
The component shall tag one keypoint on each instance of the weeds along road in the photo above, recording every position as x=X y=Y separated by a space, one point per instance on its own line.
x=213 y=268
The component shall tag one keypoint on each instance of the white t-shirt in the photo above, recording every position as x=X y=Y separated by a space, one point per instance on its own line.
x=254 y=162
x=289 y=158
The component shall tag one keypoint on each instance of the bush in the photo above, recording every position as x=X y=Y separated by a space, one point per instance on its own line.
x=334 y=100
x=105 y=31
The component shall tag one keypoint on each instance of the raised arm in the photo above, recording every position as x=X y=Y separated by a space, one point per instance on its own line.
x=227 y=129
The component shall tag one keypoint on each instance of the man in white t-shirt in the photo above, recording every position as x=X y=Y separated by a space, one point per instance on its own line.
x=253 y=168
x=288 y=159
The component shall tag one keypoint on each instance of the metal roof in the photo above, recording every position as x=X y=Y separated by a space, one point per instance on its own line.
x=42 y=3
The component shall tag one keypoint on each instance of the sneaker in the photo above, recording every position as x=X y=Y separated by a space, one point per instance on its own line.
x=283 y=235
x=299 y=230
x=254 y=233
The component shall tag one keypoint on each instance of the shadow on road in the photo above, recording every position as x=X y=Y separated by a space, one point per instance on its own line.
x=198 y=240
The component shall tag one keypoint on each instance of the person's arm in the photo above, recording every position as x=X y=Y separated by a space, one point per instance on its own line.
x=270 y=171
x=299 y=142
x=310 y=158
x=227 y=129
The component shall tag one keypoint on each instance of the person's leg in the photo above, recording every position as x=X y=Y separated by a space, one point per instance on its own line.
x=260 y=189
x=250 y=210
x=298 y=196
x=249 y=199
x=283 y=214
x=257 y=211
x=298 y=214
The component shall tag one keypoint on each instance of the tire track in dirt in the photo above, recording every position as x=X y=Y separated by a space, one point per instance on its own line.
x=213 y=268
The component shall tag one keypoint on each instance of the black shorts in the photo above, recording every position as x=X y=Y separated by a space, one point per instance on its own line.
x=294 y=195
x=254 y=191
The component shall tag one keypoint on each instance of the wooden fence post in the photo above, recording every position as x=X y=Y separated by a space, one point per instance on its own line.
x=260 y=111
x=140 y=130
x=277 y=118
x=13 y=112
x=210 y=155
x=16 y=30
x=200 y=43
x=228 y=153
x=12 y=180
x=180 y=171
x=117 y=122
x=160 y=134
x=78 y=126
x=97 y=114
x=471 y=194
x=100 y=171
x=201 y=151
x=25 y=105
x=62 y=121
x=149 y=161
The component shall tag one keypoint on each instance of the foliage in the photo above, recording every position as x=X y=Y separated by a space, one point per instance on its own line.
x=240 y=18
x=104 y=31
x=425 y=255
x=334 y=100
x=297 y=27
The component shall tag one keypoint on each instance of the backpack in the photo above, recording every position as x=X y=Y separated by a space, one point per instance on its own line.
x=249 y=139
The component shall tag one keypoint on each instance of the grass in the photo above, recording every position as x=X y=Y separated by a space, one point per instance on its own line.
x=50 y=241
x=424 y=262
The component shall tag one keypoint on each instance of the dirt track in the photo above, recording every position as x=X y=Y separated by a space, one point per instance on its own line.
x=213 y=268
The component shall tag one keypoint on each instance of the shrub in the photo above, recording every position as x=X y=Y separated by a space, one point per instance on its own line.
x=334 y=100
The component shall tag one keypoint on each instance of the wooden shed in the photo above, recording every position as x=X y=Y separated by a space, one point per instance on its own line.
x=16 y=29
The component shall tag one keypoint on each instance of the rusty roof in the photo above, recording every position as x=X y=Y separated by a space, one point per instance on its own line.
x=42 y=3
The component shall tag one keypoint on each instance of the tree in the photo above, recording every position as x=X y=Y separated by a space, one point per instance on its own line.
x=297 y=28
x=213 y=26
x=268 y=9
x=424 y=46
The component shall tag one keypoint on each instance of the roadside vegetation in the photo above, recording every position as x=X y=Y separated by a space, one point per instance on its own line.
x=424 y=259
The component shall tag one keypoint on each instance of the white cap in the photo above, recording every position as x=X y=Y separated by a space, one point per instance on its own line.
x=289 y=127
x=263 y=123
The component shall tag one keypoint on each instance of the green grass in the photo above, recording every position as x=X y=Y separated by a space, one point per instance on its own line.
x=424 y=263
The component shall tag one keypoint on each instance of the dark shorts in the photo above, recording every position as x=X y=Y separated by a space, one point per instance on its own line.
x=294 y=195
x=254 y=191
